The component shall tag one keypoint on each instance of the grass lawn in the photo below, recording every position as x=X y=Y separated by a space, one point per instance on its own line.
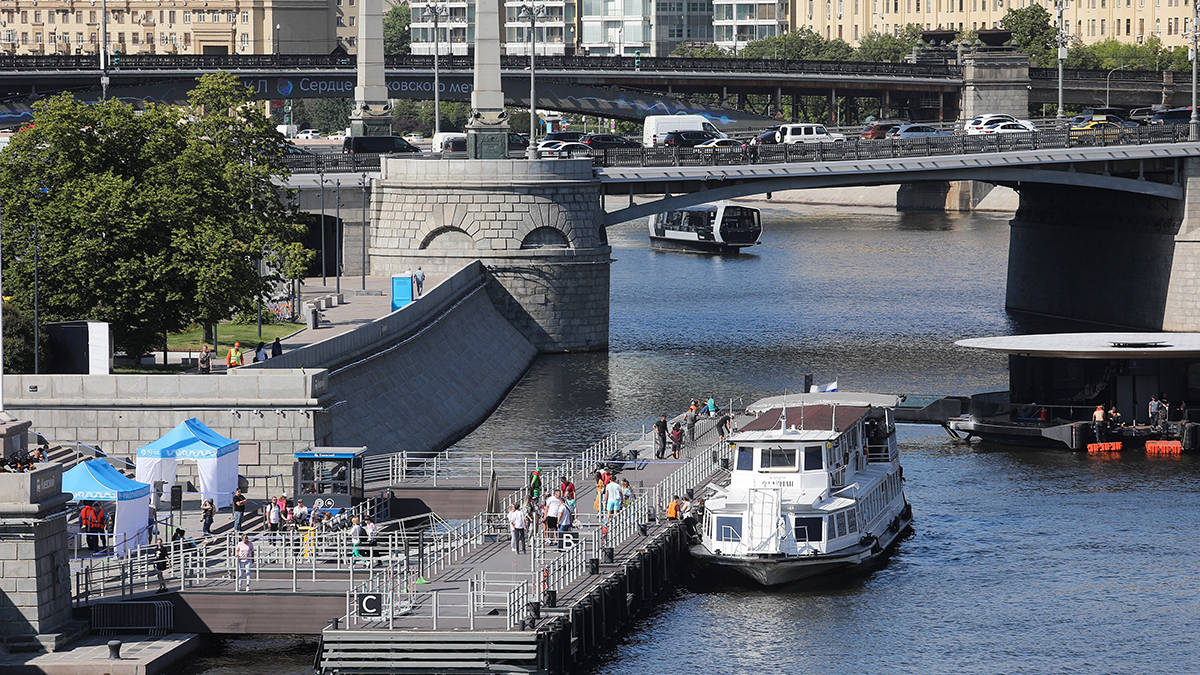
x=228 y=333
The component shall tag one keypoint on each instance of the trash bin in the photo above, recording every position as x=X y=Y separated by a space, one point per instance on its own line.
x=312 y=317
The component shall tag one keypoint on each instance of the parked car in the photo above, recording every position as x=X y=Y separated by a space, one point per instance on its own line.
x=1174 y=116
x=791 y=134
x=722 y=143
x=1141 y=115
x=378 y=144
x=1089 y=132
x=567 y=149
x=1010 y=128
x=517 y=144
x=605 y=141
x=917 y=131
x=688 y=139
x=977 y=124
x=568 y=136
x=414 y=137
x=768 y=137
x=1079 y=120
x=879 y=129
x=309 y=135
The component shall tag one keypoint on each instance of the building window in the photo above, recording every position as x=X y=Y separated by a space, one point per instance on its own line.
x=245 y=40
x=199 y=16
x=51 y=16
x=245 y=17
x=120 y=38
x=174 y=40
x=340 y=23
x=171 y=16
x=37 y=17
x=79 y=39
x=37 y=38
x=187 y=17
x=78 y=17
x=215 y=16
x=352 y=21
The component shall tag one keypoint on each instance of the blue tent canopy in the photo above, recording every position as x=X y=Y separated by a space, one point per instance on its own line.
x=190 y=440
x=97 y=480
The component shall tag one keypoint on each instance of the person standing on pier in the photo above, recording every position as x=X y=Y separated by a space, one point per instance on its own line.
x=207 y=513
x=676 y=440
x=535 y=484
x=204 y=364
x=723 y=425
x=567 y=488
x=516 y=526
x=690 y=419
x=599 y=478
x=1153 y=410
x=239 y=509
x=234 y=358
x=245 y=558
x=553 y=506
x=712 y=407
x=660 y=437
x=612 y=493
x=161 y=563
x=1099 y=424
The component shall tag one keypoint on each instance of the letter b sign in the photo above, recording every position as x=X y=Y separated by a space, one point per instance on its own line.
x=370 y=604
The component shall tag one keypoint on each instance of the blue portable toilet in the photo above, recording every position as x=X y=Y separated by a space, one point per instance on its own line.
x=402 y=290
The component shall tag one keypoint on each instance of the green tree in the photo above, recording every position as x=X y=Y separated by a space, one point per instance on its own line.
x=396 y=33
x=18 y=341
x=800 y=45
x=885 y=47
x=150 y=221
x=1033 y=33
x=699 y=51
x=328 y=114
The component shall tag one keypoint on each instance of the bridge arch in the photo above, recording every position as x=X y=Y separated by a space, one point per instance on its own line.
x=448 y=239
x=545 y=237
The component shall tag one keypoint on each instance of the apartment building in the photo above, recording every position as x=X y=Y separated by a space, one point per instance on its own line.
x=1087 y=21
x=169 y=26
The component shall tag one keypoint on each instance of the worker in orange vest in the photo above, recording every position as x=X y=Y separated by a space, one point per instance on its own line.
x=234 y=358
x=673 y=508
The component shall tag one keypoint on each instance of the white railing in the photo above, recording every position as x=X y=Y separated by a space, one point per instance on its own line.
x=698 y=469
x=578 y=467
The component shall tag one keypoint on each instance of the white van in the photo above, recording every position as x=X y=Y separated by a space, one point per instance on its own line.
x=656 y=127
x=791 y=134
x=443 y=138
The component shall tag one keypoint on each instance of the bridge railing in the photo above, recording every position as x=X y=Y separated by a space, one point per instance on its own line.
x=327 y=162
x=888 y=148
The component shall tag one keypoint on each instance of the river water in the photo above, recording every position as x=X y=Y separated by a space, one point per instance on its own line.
x=1022 y=560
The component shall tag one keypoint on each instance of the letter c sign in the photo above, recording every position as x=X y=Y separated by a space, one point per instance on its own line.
x=370 y=604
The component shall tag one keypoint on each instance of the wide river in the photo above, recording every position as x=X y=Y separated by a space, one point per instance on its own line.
x=1022 y=560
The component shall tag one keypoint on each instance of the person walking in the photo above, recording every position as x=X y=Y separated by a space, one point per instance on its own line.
x=564 y=523
x=712 y=407
x=612 y=493
x=204 y=363
x=516 y=526
x=260 y=352
x=372 y=532
x=419 y=277
x=276 y=348
x=356 y=537
x=660 y=437
x=245 y=558
x=234 y=358
x=161 y=562
x=274 y=517
x=239 y=509
x=553 y=506
x=207 y=513
x=689 y=419
x=535 y=484
x=567 y=488
x=676 y=440
x=599 y=478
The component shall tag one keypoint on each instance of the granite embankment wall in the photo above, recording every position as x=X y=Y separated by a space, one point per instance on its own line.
x=416 y=379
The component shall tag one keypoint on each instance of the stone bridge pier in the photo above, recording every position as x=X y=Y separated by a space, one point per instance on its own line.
x=536 y=225
x=1109 y=257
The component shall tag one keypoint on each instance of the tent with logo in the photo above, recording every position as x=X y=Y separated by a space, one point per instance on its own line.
x=216 y=459
x=96 y=481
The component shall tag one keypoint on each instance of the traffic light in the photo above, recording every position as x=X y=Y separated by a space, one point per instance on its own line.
x=116 y=60
x=637 y=59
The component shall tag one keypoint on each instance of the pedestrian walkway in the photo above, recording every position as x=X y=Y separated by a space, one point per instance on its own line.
x=140 y=655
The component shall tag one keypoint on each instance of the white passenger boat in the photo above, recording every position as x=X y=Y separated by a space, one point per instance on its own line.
x=816 y=487
x=719 y=227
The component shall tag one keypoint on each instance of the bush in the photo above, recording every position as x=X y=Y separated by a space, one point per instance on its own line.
x=250 y=317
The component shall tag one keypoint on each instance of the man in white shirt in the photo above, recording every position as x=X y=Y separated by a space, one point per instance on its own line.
x=516 y=524
x=553 y=504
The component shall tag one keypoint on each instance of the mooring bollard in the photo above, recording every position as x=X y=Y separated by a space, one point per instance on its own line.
x=609 y=554
x=643 y=529
x=334 y=622
x=535 y=609
x=114 y=650
x=551 y=598
x=593 y=566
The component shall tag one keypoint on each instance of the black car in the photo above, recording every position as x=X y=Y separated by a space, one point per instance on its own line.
x=516 y=143
x=606 y=141
x=1176 y=116
x=565 y=136
x=687 y=139
x=377 y=144
x=768 y=137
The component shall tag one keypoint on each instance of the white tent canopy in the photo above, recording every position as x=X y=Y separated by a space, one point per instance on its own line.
x=96 y=480
x=216 y=459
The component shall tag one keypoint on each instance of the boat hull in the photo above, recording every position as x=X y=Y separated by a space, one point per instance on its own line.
x=787 y=569
x=692 y=246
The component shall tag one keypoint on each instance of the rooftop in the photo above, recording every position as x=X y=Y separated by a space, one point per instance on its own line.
x=811 y=421
x=1093 y=345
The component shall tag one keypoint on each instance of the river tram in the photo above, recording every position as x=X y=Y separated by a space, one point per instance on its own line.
x=719 y=227
x=816 y=487
x=1058 y=383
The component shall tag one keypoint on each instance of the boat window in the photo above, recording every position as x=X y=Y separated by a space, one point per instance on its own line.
x=841 y=524
x=808 y=529
x=778 y=459
x=745 y=459
x=729 y=528
x=812 y=458
x=852 y=520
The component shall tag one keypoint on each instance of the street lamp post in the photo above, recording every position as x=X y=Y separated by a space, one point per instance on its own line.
x=532 y=12
x=366 y=228
x=323 y=279
x=1194 y=123
x=1108 y=80
x=36 y=315
x=436 y=12
x=276 y=44
x=1061 y=6
x=337 y=235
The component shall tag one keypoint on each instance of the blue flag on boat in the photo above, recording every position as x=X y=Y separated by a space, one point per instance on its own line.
x=828 y=386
